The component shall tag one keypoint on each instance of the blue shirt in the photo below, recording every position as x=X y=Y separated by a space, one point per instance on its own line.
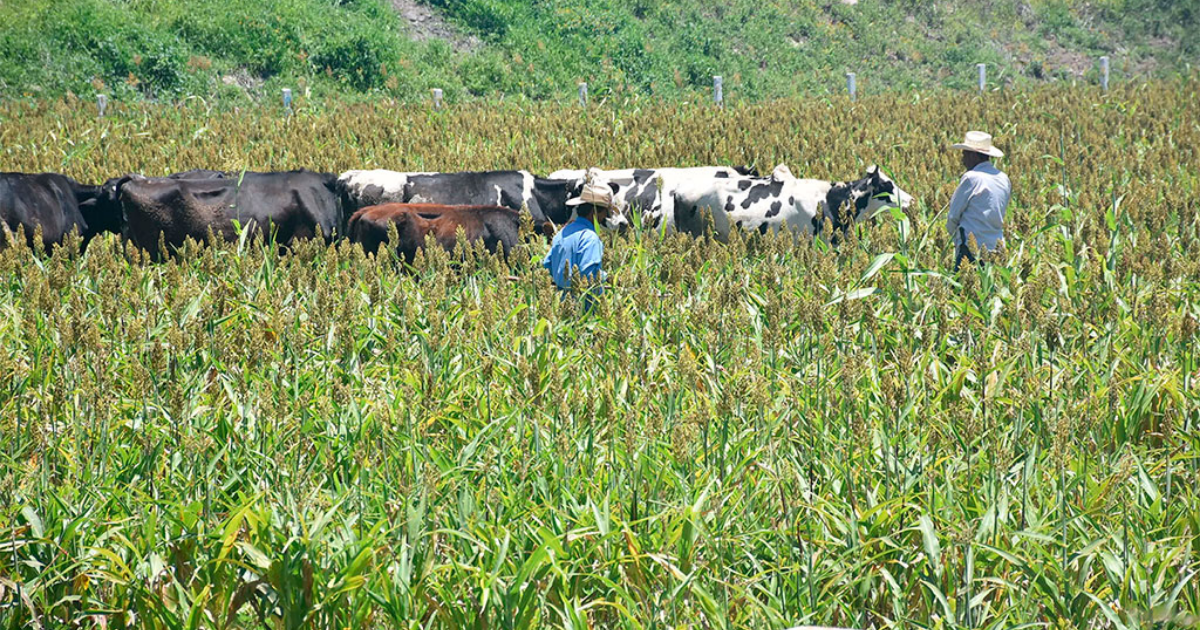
x=576 y=246
x=979 y=205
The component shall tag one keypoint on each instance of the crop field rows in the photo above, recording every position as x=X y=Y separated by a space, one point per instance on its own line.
x=760 y=433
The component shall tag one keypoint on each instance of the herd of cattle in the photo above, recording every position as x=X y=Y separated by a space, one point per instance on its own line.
x=361 y=205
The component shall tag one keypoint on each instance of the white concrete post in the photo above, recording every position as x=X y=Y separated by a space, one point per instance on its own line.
x=583 y=94
x=718 y=91
x=437 y=98
x=851 y=85
x=982 y=68
x=287 y=100
x=101 y=103
x=1104 y=72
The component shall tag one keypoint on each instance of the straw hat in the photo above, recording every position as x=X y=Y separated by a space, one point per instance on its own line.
x=595 y=192
x=978 y=142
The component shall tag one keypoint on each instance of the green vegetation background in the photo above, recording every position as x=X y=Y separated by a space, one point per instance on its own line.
x=232 y=50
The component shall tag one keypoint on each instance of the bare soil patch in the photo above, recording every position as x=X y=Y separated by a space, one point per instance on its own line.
x=426 y=23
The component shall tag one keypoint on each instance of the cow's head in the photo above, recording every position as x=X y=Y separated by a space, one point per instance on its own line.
x=861 y=199
x=617 y=219
x=101 y=206
x=885 y=192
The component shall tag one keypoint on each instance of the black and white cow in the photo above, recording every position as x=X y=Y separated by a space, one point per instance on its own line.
x=782 y=201
x=857 y=201
x=363 y=189
x=546 y=198
x=648 y=190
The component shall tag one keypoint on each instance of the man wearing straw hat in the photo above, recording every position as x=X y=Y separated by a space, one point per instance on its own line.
x=577 y=247
x=978 y=206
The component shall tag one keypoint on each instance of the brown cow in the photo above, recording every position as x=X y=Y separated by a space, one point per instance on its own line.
x=496 y=226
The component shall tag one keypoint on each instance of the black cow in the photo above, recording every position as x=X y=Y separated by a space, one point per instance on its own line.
x=56 y=203
x=545 y=198
x=496 y=226
x=104 y=214
x=290 y=205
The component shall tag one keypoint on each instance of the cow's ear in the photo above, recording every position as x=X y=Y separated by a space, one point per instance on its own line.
x=873 y=170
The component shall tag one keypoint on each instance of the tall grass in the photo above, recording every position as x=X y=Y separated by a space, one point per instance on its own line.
x=752 y=434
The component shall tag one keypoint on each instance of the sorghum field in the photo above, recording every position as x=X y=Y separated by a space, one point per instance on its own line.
x=754 y=434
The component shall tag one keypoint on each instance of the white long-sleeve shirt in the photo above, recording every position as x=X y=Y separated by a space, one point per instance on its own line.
x=978 y=206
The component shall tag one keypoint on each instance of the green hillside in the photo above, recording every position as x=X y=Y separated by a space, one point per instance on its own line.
x=233 y=50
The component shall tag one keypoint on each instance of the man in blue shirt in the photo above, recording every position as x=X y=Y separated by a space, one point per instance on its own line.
x=981 y=200
x=577 y=247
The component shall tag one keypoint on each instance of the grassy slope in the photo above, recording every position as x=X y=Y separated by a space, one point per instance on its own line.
x=765 y=48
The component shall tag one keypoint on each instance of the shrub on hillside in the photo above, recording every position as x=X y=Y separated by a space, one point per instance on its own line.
x=126 y=51
x=356 y=58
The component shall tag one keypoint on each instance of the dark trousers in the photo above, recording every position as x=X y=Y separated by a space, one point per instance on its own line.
x=963 y=252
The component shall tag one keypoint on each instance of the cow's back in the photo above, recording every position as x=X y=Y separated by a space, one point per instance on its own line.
x=545 y=198
x=360 y=189
x=202 y=173
x=468 y=188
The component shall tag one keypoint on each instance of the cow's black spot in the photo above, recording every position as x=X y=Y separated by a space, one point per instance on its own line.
x=722 y=175
x=729 y=204
x=763 y=227
x=739 y=225
x=642 y=175
x=647 y=197
x=791 y=201
x=372 y=193
x=888 y=190
x=775 y=208
x=838 y=195
x=861 y=203
x=758 y=192
x=695 y=210
x=744 y=184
